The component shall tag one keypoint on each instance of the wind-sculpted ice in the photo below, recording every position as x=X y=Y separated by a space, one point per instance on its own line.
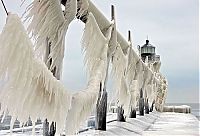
x=29 y=89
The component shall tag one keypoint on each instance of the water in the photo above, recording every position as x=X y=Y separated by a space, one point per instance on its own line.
x=195 y=109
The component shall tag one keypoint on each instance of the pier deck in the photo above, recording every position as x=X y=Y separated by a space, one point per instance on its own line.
x=155 y=123
x=174 y=124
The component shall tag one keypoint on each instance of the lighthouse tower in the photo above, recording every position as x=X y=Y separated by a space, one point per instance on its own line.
x=148 y=52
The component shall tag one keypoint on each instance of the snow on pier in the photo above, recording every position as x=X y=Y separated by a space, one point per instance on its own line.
x=170 y=123
x=155 y=123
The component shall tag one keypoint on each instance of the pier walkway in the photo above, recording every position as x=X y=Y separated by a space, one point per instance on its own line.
x=152 y=124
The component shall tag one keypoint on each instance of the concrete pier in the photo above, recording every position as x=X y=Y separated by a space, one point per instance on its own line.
x=152 y=124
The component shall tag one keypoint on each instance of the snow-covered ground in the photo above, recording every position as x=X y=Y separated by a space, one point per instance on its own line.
x=174 y=124
x=152 y=124
x=130 y=127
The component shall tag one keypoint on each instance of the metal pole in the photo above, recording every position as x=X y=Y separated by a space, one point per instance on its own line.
x=129 y=36
x=4 y=7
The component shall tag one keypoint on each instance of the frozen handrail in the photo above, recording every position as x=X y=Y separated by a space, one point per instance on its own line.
x=103 y=22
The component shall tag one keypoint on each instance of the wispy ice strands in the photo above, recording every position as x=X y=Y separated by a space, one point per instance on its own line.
x=30 y=88
x=48 y=27
x=95 y=47
x=119 y=67
x=132 y=83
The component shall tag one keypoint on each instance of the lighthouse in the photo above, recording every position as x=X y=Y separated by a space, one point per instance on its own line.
x=148 y=53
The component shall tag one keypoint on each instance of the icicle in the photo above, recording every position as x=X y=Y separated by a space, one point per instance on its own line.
x=3 y=117
x=118 y=64
x=134 y=93
x=12 y=121
x=139 y=73
x=48 y=21
x=33 y=129
x=147 y=78
x=28 y=81
x=131 y=66
x=95 y=46
x=84 y=101
x=91 y=47
x=131 y=78
x=150 y=90
x=119 y=69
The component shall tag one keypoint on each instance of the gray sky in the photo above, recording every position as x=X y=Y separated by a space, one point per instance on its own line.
x=172 y=26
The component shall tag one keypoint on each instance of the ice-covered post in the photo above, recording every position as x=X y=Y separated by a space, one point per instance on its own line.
x=133 y=110
x=52 y=129
x=46 y=131
x=101 y=124
x=101 y=108
x=45 y=128
x=120 y=111
x=120 y=114
x=151 y=108
x=132 y=113
x=141 y=103
x=146 y=106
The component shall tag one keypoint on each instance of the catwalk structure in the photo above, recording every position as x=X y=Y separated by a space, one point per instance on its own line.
x=31 y=67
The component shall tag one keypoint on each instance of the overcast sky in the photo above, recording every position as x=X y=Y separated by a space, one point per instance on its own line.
x=171 y=25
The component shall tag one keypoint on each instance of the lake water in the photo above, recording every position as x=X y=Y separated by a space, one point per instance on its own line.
x=195 y=109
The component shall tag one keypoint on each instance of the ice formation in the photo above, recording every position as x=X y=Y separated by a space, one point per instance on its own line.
x=119 y=66
x=161 y=92
x=48 y=26
x=131 y=78
x=131 y=75
x=37 y=93
x=95 y=47
x=91 y=48
x=29 y=88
